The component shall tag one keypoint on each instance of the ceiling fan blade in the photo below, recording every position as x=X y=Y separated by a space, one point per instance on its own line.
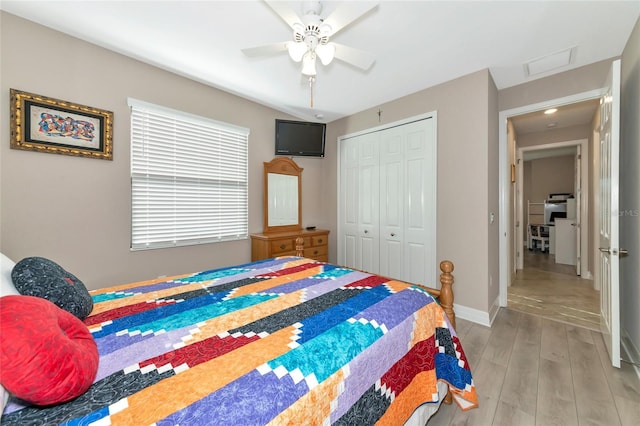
x=269 y=49
x=346 y=13
x=285 y=12
x=356 y=57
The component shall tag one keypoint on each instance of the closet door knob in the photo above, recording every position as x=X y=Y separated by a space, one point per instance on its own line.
x=366 y=231
x=393 y=235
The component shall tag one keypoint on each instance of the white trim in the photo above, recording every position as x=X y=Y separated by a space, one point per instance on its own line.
x=493 y=310
x=473 y=315
x=505 y=176
x=425 y=116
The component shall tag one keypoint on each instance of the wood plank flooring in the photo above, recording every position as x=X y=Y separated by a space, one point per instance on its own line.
x=529 y=370
x=554 y=291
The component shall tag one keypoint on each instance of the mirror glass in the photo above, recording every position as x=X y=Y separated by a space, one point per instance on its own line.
x=282 y=188
x=283 y=199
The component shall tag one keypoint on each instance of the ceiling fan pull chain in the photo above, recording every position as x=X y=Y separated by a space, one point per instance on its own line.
x=311 y=81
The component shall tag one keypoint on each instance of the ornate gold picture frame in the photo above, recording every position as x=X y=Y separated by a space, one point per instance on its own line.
x=43 y=124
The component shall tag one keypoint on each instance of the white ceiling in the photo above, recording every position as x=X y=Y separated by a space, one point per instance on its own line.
x=417 y=44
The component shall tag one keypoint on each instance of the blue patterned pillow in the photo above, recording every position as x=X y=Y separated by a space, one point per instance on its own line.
x=40 y=277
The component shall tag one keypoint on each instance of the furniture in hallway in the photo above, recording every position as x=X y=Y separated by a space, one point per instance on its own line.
x=566 y=241
x=539 y=237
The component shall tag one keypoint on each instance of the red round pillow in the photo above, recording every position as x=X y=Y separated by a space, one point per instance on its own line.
x=47 y=355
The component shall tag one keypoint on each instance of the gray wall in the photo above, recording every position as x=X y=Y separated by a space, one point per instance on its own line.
x=547 y=176
x=467 y=166
x=630 y=193
x=75 y=210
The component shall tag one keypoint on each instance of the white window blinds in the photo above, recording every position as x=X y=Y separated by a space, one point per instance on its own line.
x=189 y=178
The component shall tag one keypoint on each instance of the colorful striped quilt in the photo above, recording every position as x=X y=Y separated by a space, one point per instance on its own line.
x=281 y=341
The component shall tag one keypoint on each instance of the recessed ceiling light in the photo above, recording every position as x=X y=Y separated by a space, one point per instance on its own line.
x=551 y=110
x=319 y=116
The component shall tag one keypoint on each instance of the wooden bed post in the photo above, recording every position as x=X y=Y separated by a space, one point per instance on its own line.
x=446 y=301
x=300 y=247
x=446 y=290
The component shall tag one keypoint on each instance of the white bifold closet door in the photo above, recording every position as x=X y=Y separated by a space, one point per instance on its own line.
x=387 y=208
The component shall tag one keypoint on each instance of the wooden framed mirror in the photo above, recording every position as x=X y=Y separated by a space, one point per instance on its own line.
x=282 y=195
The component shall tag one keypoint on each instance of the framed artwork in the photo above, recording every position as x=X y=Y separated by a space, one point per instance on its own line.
x=43 y=124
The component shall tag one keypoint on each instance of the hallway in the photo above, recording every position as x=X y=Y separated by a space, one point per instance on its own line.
x=553 y=291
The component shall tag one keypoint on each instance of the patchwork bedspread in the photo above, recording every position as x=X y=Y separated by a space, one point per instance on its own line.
x=282 y=341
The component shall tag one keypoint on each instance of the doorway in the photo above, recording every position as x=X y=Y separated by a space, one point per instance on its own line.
x=552 y=179
x=548 y=282
x=509 y=241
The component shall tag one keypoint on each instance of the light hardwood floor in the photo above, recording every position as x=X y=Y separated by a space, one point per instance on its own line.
x=554 y=291
x=529 y=370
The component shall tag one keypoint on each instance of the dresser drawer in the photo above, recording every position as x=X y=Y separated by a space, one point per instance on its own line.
x=315 y=252
x=281 y=246
x=314 y=244
x=318 y=240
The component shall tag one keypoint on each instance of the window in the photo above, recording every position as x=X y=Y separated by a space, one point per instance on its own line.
x=189 y=179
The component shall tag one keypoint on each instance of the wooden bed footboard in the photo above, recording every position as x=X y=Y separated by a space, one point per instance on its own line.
x=445 y=293
x=445 y=297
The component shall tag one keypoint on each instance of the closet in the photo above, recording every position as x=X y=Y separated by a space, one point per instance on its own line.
x=387 y=205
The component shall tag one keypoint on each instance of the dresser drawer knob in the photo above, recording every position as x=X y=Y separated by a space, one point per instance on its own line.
x=315 y=252
x=320 y=241
x=282 y=246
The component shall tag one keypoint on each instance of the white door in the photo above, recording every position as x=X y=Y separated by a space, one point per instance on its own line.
x=578 y=195
x=387 y=208
x=407 y=201
x=369 y=204
x=608 y=215
x=347 y=240
x=359 y=239
x=392 y=185
x=420 y=197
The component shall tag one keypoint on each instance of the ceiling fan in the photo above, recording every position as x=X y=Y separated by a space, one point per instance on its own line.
x=311 y=34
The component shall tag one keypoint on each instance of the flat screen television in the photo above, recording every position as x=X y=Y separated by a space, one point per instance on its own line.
x=300 y=138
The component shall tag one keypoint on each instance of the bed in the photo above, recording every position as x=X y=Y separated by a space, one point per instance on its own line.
x=287 y=340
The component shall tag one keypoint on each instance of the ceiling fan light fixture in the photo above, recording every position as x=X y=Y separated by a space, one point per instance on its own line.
x=309 y=64
x=326 y=53
x=296 y=50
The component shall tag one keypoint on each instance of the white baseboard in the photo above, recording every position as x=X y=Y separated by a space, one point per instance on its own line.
x=629 y=349
x=473 y=315
x=493 y=310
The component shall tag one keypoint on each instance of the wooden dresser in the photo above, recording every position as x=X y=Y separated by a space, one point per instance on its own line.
x=272 y=244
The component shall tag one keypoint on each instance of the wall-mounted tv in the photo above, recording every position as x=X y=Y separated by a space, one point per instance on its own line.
x=300 y=138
